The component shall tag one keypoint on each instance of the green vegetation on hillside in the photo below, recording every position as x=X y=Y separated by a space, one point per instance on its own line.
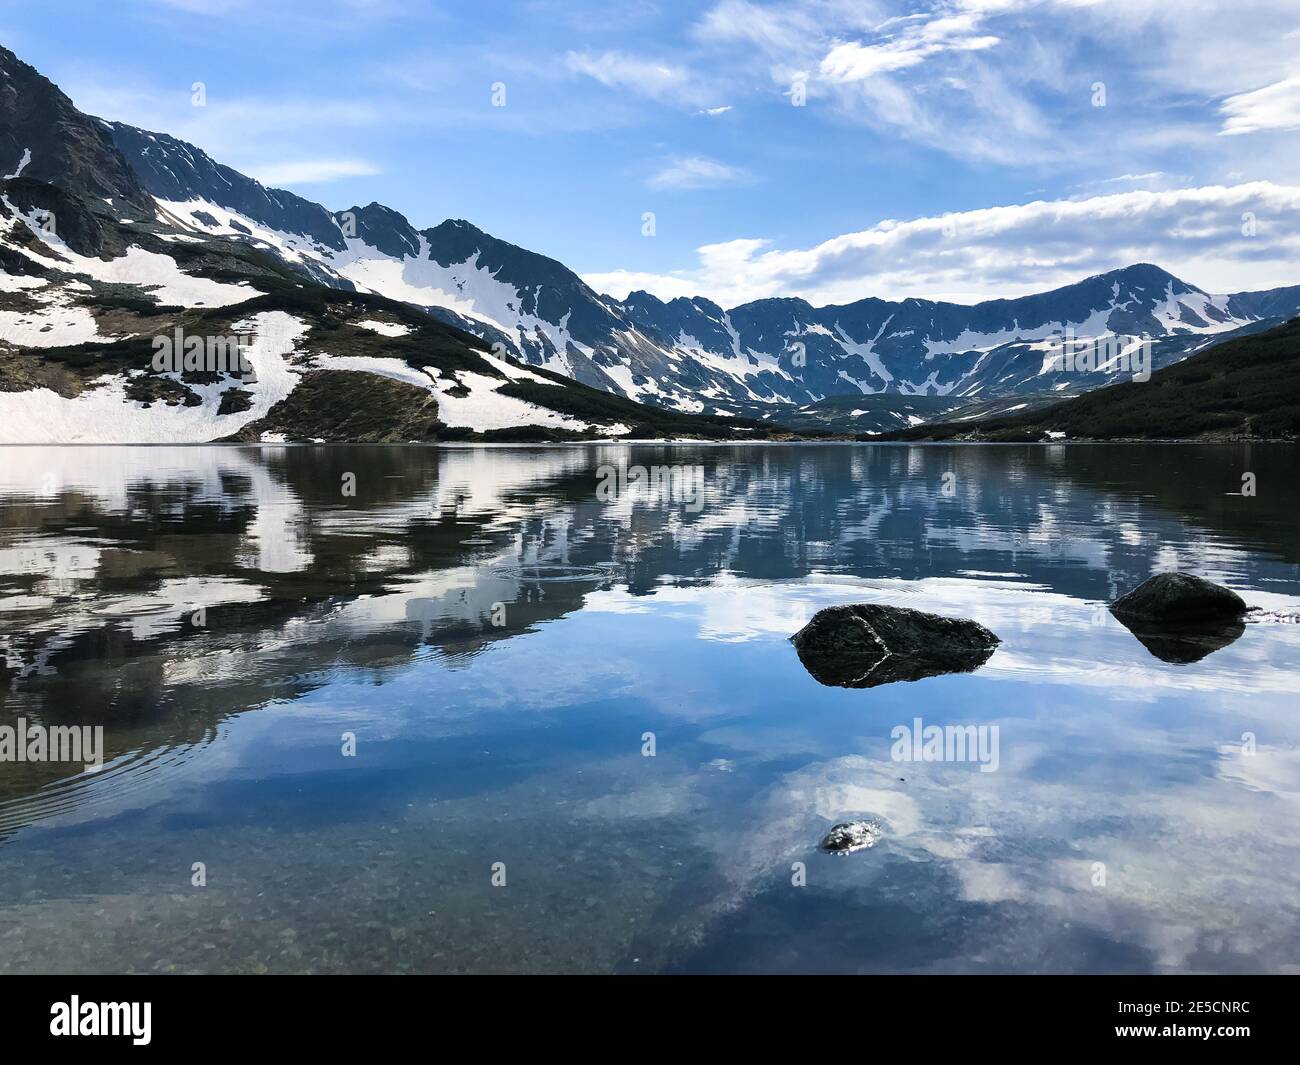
x=1246 y=388
x=343 y=406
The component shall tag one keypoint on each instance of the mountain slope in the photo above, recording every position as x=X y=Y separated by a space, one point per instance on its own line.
x=758 y=359
x=1247 y=388
x=120 y=323
x=45 y=139
x=172 y=170
x=79 y=340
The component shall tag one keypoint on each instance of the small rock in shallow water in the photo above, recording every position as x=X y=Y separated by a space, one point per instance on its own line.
x=851 y=836
x=1180 y=618
x=1179 y=597
x=866 y=644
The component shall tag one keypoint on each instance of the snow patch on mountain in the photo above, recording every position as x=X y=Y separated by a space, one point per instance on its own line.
x=1195 y=312
x=20 y=282
x=513 y=371
x=388 y=329
x=394 y=369
x=55 y=324
x=157 y=274
x=22 y=165
x=211 y=219
x=866 y=351
x=103 y=414
x=484 y=408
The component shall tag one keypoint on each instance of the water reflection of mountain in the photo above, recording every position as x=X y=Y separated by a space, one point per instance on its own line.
x=1202 y=486
x=107 y=554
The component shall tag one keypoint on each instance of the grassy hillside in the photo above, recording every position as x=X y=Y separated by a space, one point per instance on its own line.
x=1247 y=388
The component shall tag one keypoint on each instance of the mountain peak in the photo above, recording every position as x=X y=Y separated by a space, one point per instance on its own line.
x=1147 y=276
x=383 y=228
x=459 y=224
x=44 y=135
x=374 y=207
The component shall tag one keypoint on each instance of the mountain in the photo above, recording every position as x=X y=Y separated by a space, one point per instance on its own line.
x=1244 y=389
x=121 y=323
x=111 y=234
x=760 y=359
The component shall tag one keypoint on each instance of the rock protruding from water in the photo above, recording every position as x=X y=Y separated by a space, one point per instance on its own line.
x=1180 y=618
x=865 y=644
x=852 y=836
x=1180 y=597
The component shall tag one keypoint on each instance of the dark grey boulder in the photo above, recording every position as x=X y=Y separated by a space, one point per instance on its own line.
x=1180 y=618
x=1180 y=597
x=851 y=836
x=864 y=645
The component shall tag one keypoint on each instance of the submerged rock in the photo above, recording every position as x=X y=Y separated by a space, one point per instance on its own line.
x=1180 y=618
x=1179 y=597
x=1185 y=643
x=864 y=644
x=851 y=836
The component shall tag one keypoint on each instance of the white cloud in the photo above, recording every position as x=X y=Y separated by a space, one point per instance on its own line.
x=1150 y=175
x=714 y=111
x=311 y=171
x=859 y=64
x=1007 y=81
x=695 y=172
x=1196 y=233
x=854 y=61
x=653 y=78
x=1275 y=106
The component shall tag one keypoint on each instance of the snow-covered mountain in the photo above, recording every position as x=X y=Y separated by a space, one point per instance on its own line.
x=691 y=354
x=125 y=318
x=149 y=226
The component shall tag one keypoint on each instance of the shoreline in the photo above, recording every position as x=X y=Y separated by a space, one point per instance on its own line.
x=657 y=441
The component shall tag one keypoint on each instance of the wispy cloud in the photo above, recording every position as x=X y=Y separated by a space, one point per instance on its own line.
x=311 y=171
x=656 y=79
x=696 y=172
x=781 y=27
x=227 y=126
x=1223 y=238
x=1150 y=175
x=856 y=61
x=1007 y=81
x=1275 y=106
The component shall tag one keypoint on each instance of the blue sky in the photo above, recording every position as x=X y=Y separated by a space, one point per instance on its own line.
x=947 y=150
